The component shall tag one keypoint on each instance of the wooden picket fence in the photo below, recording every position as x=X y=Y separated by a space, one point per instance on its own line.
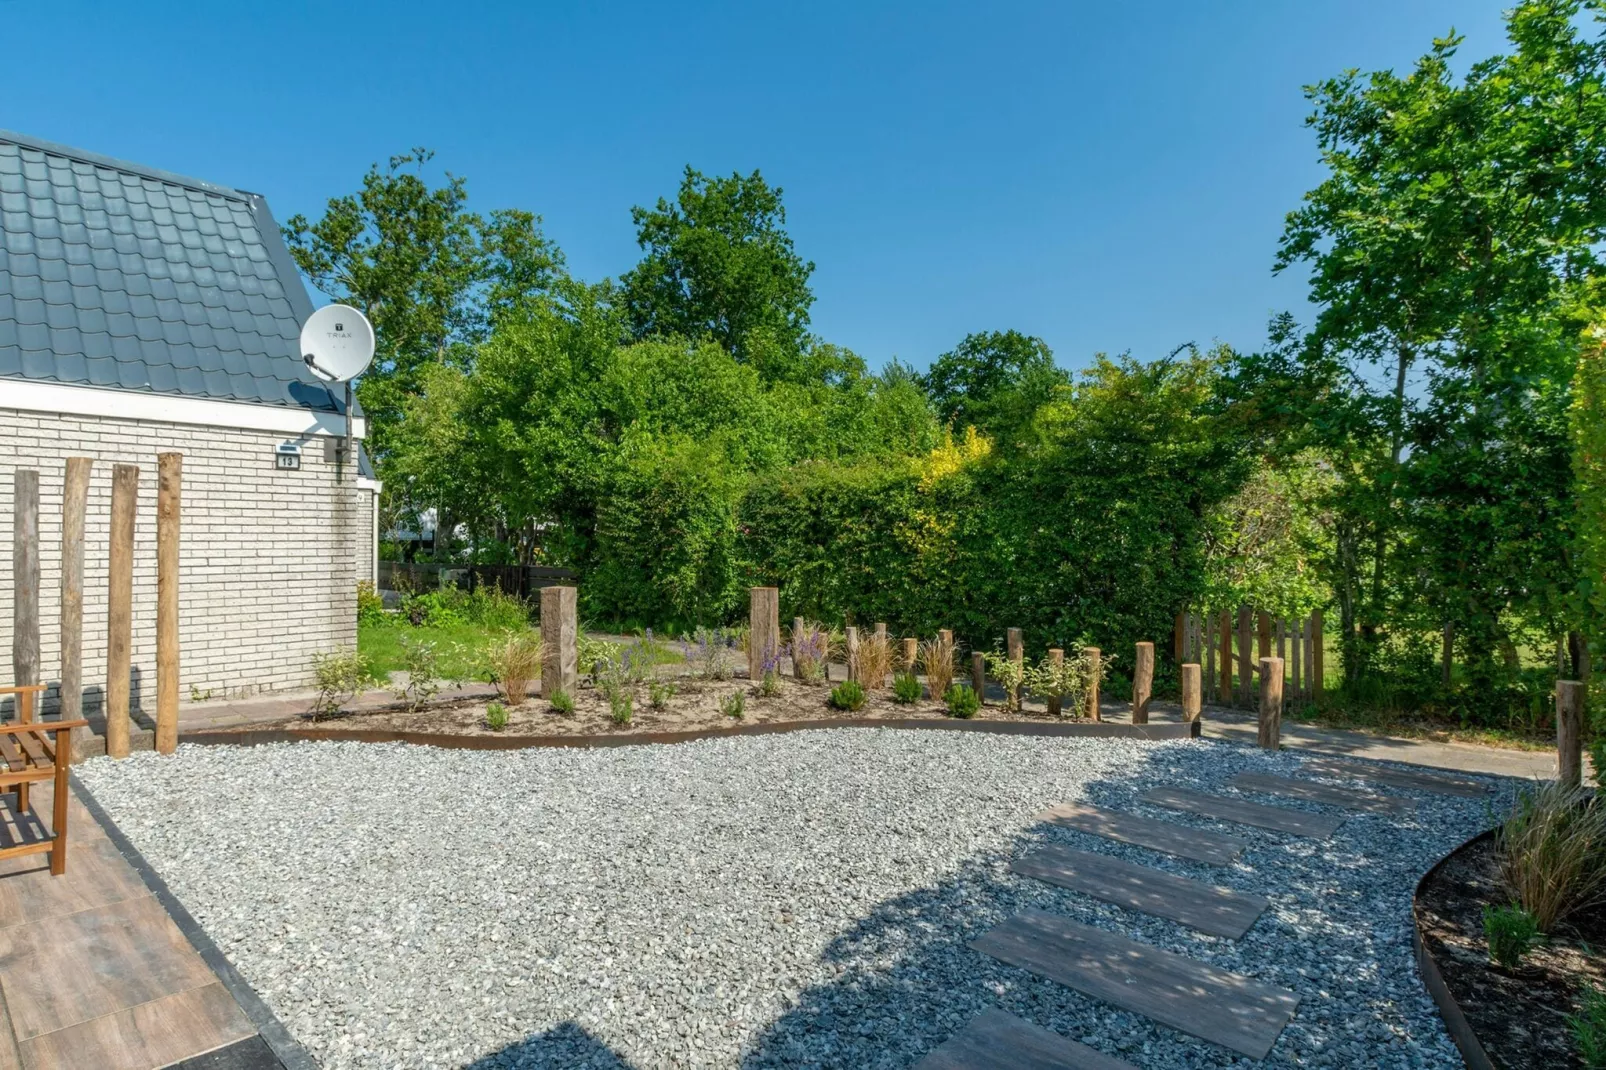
x=1228 y=645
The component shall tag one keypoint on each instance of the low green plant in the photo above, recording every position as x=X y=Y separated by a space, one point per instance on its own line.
x=906 y=688
x=848 y=695
x=1589 y=1027
x=1510 y=931
x=489 y=607
x=421 y=663
x=339 y=676
x=1010 y=674
x=962 y=701
x=713 y=652
x=1551 y=851
x=735 y=705
x=594 y=656
x=621 y=705
x=769 y=685
x=659 y=692
x=439 y=608
x=370 y=606
x=1070 y=680
x=562 y=702
x=495 y=716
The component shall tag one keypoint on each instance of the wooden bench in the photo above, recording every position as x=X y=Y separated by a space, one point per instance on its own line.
x=34 y=751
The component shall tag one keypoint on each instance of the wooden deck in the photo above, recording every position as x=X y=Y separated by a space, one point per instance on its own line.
x=1226 y=808
x=1213 y=910
x=93 y=971
x=1139 y=831
x=998 y=1041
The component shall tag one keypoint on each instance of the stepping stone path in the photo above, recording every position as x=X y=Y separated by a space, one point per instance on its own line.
x=1217 y=911
x=999 y=1041
x=1226 y=1008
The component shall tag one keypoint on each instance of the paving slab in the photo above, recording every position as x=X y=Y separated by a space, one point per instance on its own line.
x=1225 y=808
x=1327 y=794
x=1394 y=777
x=1139 y=831
x=998 y=1041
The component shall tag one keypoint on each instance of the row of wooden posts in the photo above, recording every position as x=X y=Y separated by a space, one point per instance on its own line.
x=25 y=641
x=1200 y=636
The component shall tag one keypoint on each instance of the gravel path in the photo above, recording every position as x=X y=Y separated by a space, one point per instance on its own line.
x=767 y=901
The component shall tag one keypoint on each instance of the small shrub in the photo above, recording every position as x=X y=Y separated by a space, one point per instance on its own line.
x=1510 y=931
x=490 y=608
x=735 y=705
x=713 y=652
x=496 y=716
x=513 y=661
x=1010 y=674
x=906 y=688
x=562 y=702
x=659 y=692
x=339 y=676
x=1552 y=852
x=1071 y=680
x=769 y=685
x=962 y=701
x=621 y=705
x=1589 y=1028
x=937 y=661
x=422 y=665
x=848 y=695
x=370 y=607
x=594 y=656
x=810 y=650
x=873 y=662
x=435 y=609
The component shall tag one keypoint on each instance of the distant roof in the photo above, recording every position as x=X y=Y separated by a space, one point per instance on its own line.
x=116 y=275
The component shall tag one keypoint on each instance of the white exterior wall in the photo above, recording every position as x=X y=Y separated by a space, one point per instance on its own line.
x=269 y=559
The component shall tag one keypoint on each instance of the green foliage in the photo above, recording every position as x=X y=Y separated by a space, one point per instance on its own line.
x=495 y=716
x=735 y=705
x=659 y=692
x=595 y=657
x=562 y=702
x=1589 y=1027
x=906 y=688
x=713 y=652
x=848 y=695
x=1589 y=524
x=422 y=665
x=962 y=701
x=994 y=381
x=769 y=684
x=621 y=705
x=1009 y=674
x=1551 y=852
x=370 y=607
x=340 y=677
x=1510 y=932
x=1071 y=680
x=719 y=263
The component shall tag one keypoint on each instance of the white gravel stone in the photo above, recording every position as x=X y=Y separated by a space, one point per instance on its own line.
x=796 y=900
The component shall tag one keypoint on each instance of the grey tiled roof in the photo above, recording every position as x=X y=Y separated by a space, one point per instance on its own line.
x=115 y=275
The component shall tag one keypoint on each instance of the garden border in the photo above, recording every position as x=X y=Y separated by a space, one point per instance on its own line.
x=250 y=737
x=1455 y=1019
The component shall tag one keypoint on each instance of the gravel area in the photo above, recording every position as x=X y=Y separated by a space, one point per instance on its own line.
x=790 y=900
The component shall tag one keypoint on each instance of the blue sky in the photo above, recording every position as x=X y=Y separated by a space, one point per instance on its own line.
x=1108 y=176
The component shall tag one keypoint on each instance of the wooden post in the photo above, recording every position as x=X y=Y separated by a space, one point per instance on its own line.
x=850 y=651
x=560 y=635
x=1179 y=638
x=1142 y=683
x=1263 y=633
x=1208 y=641
x=978 y=675
x=1271 y=703
x=1281 y=625
x=1056 y=658
x=1192 y=698
x=1569 y=732
x=1224 y=696
x=1094 y=659
x=797 y=635
x=1298 y=663
x=945 y=636
x=1246 y=664
x=169 y=480
x=25 y=578
x=1017 y=653
x=1317 y=659
x=881 y=630
x=911 y=654
x=74 y=506
x=764 y=630
x=120 y=607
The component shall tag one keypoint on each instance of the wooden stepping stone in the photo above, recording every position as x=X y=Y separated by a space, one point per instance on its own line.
x=1293 y=822
x=999 y=1041
x=1349 y=798
x=1122 y=827
x=1213 y=910
x=1391 y=777
x=1224 y=1008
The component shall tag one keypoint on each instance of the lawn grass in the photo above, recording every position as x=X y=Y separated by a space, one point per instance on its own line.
x=457 y=647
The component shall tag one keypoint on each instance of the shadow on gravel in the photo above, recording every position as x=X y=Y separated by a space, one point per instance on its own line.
x=566 y=1045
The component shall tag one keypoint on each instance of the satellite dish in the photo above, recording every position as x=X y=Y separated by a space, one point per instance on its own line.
x=337 y=342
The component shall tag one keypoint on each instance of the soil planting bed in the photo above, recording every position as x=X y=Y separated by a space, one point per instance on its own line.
x=1519 y=1016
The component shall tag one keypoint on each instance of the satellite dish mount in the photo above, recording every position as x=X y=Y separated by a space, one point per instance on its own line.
x=337 y=343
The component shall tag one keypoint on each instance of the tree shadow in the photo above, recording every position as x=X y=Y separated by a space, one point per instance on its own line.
x=565 y=1045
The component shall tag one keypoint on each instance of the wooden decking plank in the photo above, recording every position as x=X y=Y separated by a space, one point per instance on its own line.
x=1224 y=1008
x=13 y=756
x=1293 y=822
x=35 y=752
x=1213 y=910
x=1140 y=831
x=1327 y=794
x=998 y=1041
x=1393 y=777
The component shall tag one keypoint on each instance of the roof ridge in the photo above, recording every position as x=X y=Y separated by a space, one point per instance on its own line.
x=54 y=148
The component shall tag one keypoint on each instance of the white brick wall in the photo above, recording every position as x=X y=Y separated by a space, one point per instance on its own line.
x=269 y=559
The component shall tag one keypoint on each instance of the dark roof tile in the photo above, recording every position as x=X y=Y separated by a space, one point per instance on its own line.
x=115 y=275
